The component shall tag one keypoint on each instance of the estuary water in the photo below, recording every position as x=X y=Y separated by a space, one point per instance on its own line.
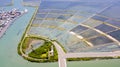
x=9 y=42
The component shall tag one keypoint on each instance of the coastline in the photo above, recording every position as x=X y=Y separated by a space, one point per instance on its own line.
x=2 y=32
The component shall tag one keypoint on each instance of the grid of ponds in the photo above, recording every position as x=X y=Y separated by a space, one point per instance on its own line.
x=31 y=2
x=5 y=2
x=90 y=24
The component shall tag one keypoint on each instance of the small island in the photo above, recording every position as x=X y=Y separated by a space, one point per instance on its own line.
x=38 y=49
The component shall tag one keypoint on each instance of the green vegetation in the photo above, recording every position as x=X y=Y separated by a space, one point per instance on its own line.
x=78 y=59
x=26 y=43
x=89 y=58
x=18 y=49
x=28 y=40
x=41 y=53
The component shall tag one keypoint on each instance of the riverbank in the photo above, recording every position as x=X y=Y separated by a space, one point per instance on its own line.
x=6 y=23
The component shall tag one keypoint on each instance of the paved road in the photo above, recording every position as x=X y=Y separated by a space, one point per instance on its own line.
x=92 y=54
x=61 y=55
